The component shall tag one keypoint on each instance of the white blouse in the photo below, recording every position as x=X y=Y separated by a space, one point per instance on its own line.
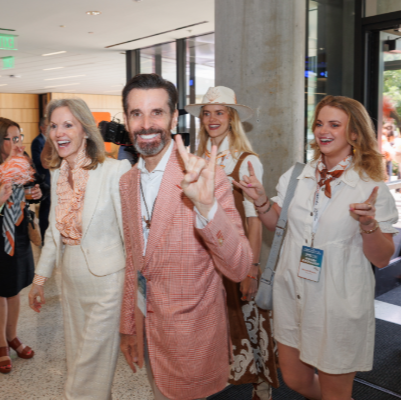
x=228 y=163
x=331 y=322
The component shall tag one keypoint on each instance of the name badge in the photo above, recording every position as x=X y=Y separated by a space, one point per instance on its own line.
x=141 y=301
x=311 y=264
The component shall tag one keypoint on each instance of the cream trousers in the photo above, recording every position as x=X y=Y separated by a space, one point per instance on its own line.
x=91 y=310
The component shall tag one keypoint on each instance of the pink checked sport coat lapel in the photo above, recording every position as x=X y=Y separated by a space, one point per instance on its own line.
x=132 y=210
x=168 y=199
x=135 y=211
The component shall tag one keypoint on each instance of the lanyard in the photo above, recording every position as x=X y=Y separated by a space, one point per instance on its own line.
x=316 y=209
x=315 y=214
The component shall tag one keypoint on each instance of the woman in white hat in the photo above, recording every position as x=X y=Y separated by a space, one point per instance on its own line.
x=220 y=124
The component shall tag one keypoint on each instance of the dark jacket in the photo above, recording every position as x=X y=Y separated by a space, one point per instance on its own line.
x=36 y=149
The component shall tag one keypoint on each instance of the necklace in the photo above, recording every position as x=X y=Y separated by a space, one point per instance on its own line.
x=149 y=220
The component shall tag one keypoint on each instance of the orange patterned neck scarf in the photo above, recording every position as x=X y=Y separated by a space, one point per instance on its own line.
x=328 y=176
x=70 y=201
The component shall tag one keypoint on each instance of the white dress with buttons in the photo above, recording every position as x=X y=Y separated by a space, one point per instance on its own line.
x=331 y=322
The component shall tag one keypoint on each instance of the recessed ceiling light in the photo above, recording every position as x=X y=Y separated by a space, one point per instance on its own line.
x=52 y=54
x=93 y=12
x=117 y=85
x=49 y=69
x=67 y=84
x=3 y=84
x=63 y=77
x=110 y=91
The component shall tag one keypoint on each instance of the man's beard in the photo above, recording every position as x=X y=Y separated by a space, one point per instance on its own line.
x=150 y=149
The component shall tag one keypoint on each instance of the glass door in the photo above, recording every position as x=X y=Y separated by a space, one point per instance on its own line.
x=377 y=84
x=389 y=102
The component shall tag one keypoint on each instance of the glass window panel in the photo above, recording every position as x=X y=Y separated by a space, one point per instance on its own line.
x=389 y=113
x=377 y=7
x=166 y=55
x=201 y=72
x=169 y=62
x=330 y=54
x=147 y=57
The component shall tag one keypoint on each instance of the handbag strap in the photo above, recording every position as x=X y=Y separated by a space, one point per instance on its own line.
x=281 y=224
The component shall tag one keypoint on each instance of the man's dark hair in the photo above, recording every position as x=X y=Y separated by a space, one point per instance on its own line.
x=42 y=122
x=151 y=81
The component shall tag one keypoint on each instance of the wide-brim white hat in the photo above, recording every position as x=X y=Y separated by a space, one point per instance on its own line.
x=220 y=95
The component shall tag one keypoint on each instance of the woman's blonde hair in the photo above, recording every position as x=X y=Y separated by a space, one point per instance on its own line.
x=94 y=143
x=237 y=137
x=366 y=158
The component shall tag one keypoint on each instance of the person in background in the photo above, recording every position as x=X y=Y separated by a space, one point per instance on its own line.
x=36 y=150
x=16 y=259
x=388 y=153
x=182 y=233
x=340 y=220
x=389 y=129
x=85 y=239
x=125 y=155
x=253 y=346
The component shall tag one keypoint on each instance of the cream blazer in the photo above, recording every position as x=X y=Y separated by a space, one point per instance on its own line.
x=102 y=234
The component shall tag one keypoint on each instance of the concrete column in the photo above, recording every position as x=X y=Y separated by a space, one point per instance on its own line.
x=260 y=54
x=132 y=63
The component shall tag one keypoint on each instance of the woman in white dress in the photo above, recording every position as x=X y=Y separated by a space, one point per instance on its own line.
x=343 y=211
x=85 y=239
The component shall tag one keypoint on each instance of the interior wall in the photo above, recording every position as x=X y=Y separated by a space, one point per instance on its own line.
x=23 y=109
x=97 y=102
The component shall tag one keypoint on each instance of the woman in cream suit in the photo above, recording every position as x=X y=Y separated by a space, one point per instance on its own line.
x=85 y=239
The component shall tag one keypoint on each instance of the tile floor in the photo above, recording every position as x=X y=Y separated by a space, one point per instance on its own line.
x=388 y=312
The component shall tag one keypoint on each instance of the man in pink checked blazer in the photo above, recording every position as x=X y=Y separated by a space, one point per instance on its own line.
x=182 y=233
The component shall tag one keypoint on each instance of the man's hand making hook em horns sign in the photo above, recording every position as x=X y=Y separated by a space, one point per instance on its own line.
x=199 y=178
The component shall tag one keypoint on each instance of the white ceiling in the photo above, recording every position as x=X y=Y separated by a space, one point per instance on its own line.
x=37 y=24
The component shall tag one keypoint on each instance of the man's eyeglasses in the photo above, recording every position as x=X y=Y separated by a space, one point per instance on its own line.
x=16 y=139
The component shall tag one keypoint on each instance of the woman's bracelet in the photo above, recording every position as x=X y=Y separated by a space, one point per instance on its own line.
x=252 y=277
x=262 y=205
x=268 y=209
x=361 y=230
